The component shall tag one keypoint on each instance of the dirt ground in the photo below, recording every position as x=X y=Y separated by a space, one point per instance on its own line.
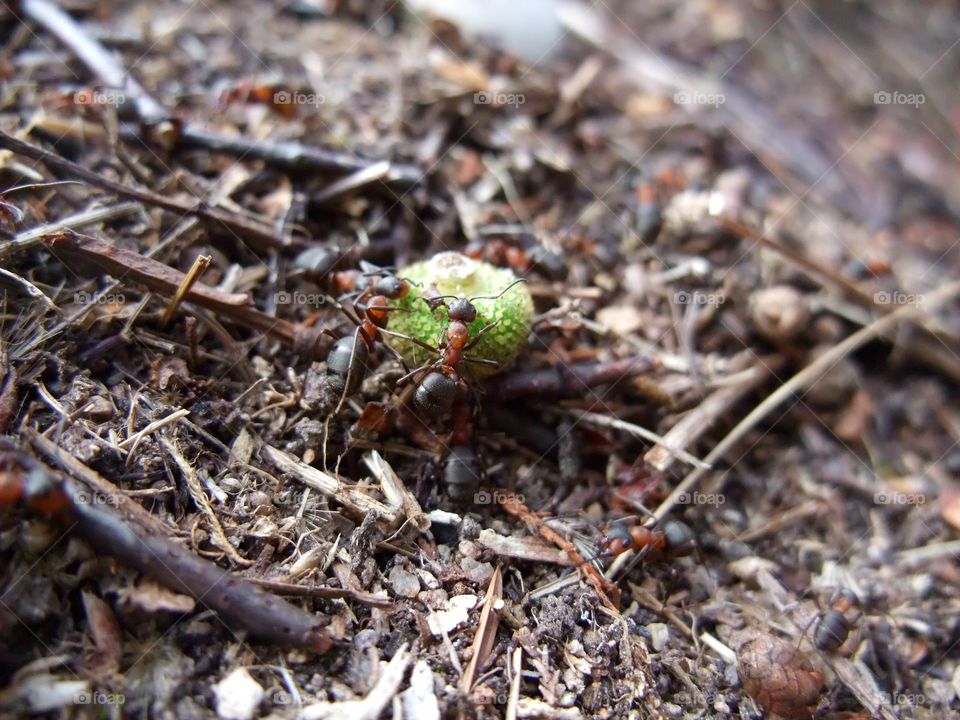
x=739 y=225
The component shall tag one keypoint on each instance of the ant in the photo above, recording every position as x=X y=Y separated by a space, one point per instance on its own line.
x=441 y=388
x=522 y=254
x=439 y=382
x=834 y=626
x=369 y=290
x=676 y=538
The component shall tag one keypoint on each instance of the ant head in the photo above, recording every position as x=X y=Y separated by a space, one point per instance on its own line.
x=846 y=598
x=462 y=309
x=616 y=540
x=391 y=286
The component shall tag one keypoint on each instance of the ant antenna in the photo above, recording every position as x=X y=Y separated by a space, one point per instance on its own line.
x=501 y=293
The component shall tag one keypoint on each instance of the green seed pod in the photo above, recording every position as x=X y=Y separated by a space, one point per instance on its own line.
x=451 y=273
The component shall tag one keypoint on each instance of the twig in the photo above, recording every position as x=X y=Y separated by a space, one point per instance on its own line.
x=567 y=380
x=936 y=348
x=28 y=239
x=239 y=602
x=200 y=265
x=700 y=419
x=278 y=587
x=93 y=55
x=376 y=700
x=289 y=155
x=486 y=633
x=134 y=440
x=218 y=537
x=640 y=432
x=242 y=227
x=608 y=592
x=523 y=548
x=396 y=492
x=782 y=521
x=129 y=266
x=355 y=502
x=514 y=698
x=10 y=278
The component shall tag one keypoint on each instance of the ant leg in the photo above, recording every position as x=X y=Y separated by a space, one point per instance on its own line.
x=406 y=378
x=478 y=336
x=358 y=337
x=414 y=340
x=481 y=361
x=499 y=294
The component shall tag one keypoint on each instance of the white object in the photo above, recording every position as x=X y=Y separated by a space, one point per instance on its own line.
x=529 y=29
x=238 y=696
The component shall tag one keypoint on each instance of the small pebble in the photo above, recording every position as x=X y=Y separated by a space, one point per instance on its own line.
x=477 y=572
x=238 y=696
x=404 y=584
x=659 y=635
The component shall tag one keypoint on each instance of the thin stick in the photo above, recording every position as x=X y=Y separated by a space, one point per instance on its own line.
x=239 y=225
x=640 y=432
x=200 y=265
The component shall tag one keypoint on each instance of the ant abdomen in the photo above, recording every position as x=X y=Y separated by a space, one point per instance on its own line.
x=347 y=353
x=435 y=394
x=834 y=626
x=461 y=474
x=317 y=262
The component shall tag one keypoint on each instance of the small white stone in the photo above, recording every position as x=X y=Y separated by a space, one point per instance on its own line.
x=238 y=696
x=457 y=613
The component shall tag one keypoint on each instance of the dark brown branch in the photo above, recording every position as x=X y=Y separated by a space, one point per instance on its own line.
x=239 y=602
x=567 y=380
x=128 y=266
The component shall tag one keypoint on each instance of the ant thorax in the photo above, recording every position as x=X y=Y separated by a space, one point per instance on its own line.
x=440 y=289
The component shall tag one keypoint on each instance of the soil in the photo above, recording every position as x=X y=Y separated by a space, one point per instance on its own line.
x=739 y=226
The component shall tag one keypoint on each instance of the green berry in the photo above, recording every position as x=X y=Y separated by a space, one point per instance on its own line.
x=451 y=273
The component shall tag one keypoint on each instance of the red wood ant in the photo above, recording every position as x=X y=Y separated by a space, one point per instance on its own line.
x=440 y=379
x=675 y=538
x=368 y=289
x=522 y=254
x=834 y=626
x=441 y=389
